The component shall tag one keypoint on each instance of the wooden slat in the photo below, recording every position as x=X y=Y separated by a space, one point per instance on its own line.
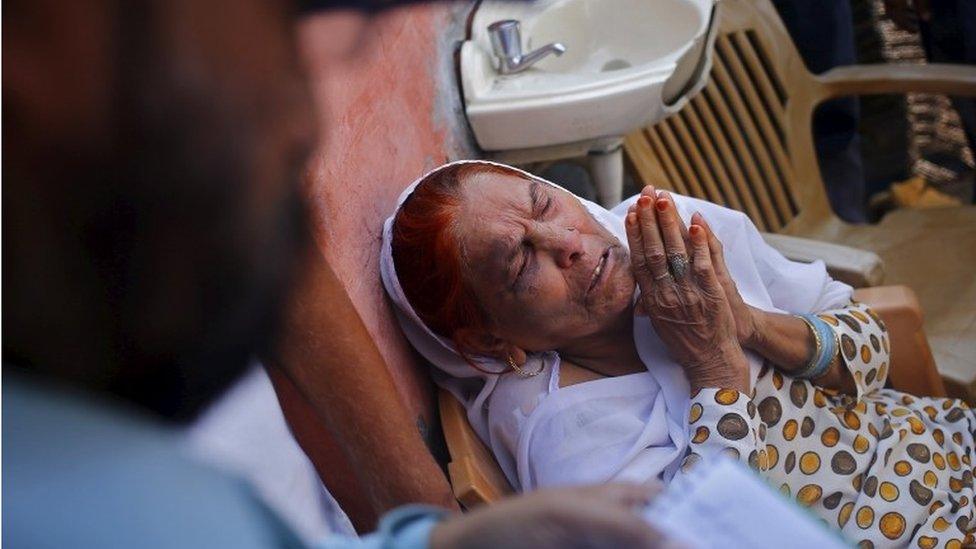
x=725 y=189
x=736 y=183
x=692 y=186
x=645 y=161
x=741 y=147
x=775 y=78
x=677 y=184
x=733 y=86
x=751 y=58
x=694 y=154
x=767 y=128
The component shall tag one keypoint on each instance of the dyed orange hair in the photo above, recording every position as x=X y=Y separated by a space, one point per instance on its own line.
x=427 y=255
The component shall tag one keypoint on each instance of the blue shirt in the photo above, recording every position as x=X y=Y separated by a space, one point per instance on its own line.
x=79 y=473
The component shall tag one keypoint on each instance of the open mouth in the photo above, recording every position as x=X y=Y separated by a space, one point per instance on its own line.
x=599 y=273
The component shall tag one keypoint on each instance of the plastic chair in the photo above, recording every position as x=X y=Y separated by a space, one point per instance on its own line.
x=476 y=478
x=746 y=142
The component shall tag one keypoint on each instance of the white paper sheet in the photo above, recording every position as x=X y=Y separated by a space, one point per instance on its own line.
x=721 y=503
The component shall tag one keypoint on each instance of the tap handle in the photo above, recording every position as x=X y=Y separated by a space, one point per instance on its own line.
x=506 y=39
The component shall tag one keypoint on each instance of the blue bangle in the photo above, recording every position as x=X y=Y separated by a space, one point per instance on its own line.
x=826 y=348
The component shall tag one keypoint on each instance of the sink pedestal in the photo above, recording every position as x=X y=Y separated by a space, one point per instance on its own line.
x=602 y=158
x=607 y=172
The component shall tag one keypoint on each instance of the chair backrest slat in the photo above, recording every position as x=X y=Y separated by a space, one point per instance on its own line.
x=692 y=150
x=643 y=162
x=732 y=143
x=679 y=155
x=726 y=194
x=772 y=96
x=719 y=95
x=734 y=181
x=772 y=76
x=767 y=183
x=766 y=117
x=675 y=181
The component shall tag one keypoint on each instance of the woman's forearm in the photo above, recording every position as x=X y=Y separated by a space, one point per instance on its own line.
x=787 y=342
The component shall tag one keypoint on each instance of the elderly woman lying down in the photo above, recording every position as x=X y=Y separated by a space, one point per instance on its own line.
x=591 y=345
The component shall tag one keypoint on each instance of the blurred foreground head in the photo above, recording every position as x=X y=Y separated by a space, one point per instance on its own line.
x=152 y=218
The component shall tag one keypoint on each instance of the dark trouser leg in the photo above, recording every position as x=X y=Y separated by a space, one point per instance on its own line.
x=883 y=126
x=967 y=106
x=839 y=153
x=948 y=37
x=823 y=31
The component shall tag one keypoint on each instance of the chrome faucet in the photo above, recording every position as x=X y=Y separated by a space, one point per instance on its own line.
x=506 y=42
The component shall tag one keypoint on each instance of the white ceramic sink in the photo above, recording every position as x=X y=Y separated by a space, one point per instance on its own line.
x=613 y=78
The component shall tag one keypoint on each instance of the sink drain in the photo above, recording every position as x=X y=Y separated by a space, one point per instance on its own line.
x=615 y=65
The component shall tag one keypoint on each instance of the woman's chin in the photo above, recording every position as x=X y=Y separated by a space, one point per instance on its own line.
x=618 y=299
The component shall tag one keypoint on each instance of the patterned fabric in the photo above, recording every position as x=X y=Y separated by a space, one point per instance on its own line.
x=886 y=468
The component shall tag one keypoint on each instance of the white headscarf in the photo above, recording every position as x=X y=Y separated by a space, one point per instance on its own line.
x=630 y=427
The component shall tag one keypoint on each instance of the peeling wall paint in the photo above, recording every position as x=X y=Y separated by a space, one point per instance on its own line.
x=389 y=109
x=449 y=105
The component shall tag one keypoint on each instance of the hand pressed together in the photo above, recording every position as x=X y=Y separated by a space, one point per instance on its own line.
x=682 y=294
x=747 y=318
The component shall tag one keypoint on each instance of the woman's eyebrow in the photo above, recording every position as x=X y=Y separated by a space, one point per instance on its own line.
x=535 y=195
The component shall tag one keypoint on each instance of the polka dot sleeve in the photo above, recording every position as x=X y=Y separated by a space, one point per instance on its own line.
x=863 y=345
x=725 y=420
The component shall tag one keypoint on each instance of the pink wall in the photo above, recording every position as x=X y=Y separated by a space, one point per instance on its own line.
x=390 y=111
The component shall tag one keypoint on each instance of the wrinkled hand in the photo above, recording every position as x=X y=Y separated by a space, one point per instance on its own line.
x=747 y=318
x=597 y=516
x=688 y=308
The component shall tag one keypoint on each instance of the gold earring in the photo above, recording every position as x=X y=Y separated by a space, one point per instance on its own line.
x=522 y=373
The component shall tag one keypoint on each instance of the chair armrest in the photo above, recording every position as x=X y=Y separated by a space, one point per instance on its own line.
x=853 y=266
x=912 y=368
x=476 y=478
x=899 y=78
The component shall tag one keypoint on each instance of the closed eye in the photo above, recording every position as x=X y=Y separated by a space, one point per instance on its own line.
x=539 y=200
x=525 y=262
x=537 y=197
x=546 y=208
x=527 y=266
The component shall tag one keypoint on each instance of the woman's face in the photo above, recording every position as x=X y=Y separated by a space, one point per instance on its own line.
x=545 y=271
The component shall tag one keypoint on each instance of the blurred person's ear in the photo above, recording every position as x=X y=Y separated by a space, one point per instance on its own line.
x=348 y=28
x=365 y=6
x=340 y=36
x=343 y=27
x=47 y=93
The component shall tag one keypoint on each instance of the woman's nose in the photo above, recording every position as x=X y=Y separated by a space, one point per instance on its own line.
x=564 y=243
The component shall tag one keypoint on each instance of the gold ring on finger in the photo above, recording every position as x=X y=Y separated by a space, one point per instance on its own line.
x=662 y=276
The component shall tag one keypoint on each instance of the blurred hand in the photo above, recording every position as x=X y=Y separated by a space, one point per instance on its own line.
x=590 y=517
x=682 y=296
